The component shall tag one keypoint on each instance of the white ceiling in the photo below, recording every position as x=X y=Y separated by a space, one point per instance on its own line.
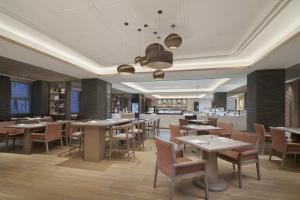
x=86 y=38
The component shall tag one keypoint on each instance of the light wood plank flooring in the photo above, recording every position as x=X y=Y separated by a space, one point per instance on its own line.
x=57 y=176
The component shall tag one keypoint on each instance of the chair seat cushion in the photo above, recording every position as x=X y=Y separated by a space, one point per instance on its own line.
x=234 y=155
x=293 y=147
x=187 y=169
x=122 y=136
x=38 y=137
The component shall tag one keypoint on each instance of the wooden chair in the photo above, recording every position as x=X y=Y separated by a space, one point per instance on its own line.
x=176 y=166
x=124 y=137
x=174 y=133
x=182 y=123
x=151 y=129
x=7 y=134
x=75 y=137
x=227 y=129
x=212 y=121
x=52 y=133
x=282 y=145
x=243 y=156
x=138 y=132
x=263 y=136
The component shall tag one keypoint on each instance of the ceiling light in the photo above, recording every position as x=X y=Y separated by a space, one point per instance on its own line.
x=137 y=59
x=173 y=41
x=126 y=69
x=158 y=75
x=159 y=59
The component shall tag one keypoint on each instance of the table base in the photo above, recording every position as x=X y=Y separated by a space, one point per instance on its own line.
x=216 y=186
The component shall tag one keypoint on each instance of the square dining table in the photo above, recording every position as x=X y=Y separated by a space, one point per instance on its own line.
x=210 y=145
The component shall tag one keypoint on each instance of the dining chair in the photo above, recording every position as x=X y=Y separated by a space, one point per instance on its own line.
x=139 y=133
x=182 y=123
x=174 y=133
x=226 y=129
x=263 y=137
x=282 y=145
x=151 y=129
x=125 y=138
x=52 y=133
x=75 y=137
x=7 y=134
x=243 y=156
x=212 y=121
x=177 y=167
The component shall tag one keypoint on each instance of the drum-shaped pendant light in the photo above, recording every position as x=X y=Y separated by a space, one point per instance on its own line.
x=154 y=47
x=137 y=59
x=158 y=75
x=143 y=61
x=173 y=41
x=126 y=69
x=159 y=59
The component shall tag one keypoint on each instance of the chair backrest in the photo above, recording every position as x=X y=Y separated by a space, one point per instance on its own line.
x=227 y=127
x=174 y=132
x=246 y=137
x=165 y=156
x=3 y=125
x=279 y=140
x=260 y=131
x=183 y=122
x=212 y=121
x=53 y=131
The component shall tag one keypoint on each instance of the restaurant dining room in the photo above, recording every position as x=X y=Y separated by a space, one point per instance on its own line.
x=150 y=100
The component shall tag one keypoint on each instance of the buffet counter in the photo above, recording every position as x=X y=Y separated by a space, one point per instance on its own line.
x=239 y=122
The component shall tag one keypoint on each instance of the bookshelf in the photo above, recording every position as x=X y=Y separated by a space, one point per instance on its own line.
x=60 y=99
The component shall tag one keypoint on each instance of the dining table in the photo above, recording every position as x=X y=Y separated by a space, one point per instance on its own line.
x=201 y=129
x=94 y=136
x=28 y=129
x=210 y=145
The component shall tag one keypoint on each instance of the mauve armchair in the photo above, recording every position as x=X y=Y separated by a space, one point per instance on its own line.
x=243 y=156
x=52 y=133
x=227 y=129
x=176 y=166
x=263 y=136
x=282 y=145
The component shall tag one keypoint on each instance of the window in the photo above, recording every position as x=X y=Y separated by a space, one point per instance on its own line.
x=20 y=101
x=75 y=101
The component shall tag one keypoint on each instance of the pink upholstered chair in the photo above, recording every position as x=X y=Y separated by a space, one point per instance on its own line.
x=227 y=129
x=182 y=123
x=282 y=145
x=243 y=156
x=212 y=121
x=176 y=166
x=174 y=133
x=10 y=133
x=263 y=136
x=52 y=133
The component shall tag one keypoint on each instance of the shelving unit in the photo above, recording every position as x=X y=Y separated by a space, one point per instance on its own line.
x=59 y=100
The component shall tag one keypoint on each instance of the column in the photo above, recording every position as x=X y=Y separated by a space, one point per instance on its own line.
x=220 y=100
x=95 y=100
x=266 y=98
x=40 y=98
x=5 y=93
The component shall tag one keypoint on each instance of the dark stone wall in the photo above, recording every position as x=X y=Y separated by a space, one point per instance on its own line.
x=266 y=98
x=5 y=91
x=40 y=98
x=140 y=99
x=220 y=100
x=95 y=100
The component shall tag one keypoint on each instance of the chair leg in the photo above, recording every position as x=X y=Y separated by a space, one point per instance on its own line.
x=283 y=159
x=233 y=166
x=7 y=143
x=133 y=147
x=206 y=187
x=128 y=151
x=240 y=175
x=47 y=148
x=271 y=151
x=258 y=170
x=61 y=142
x=263 y=148
x=171 y=190
x=155 y=177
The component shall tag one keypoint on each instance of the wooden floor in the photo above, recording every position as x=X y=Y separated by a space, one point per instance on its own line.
x=57 y=176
